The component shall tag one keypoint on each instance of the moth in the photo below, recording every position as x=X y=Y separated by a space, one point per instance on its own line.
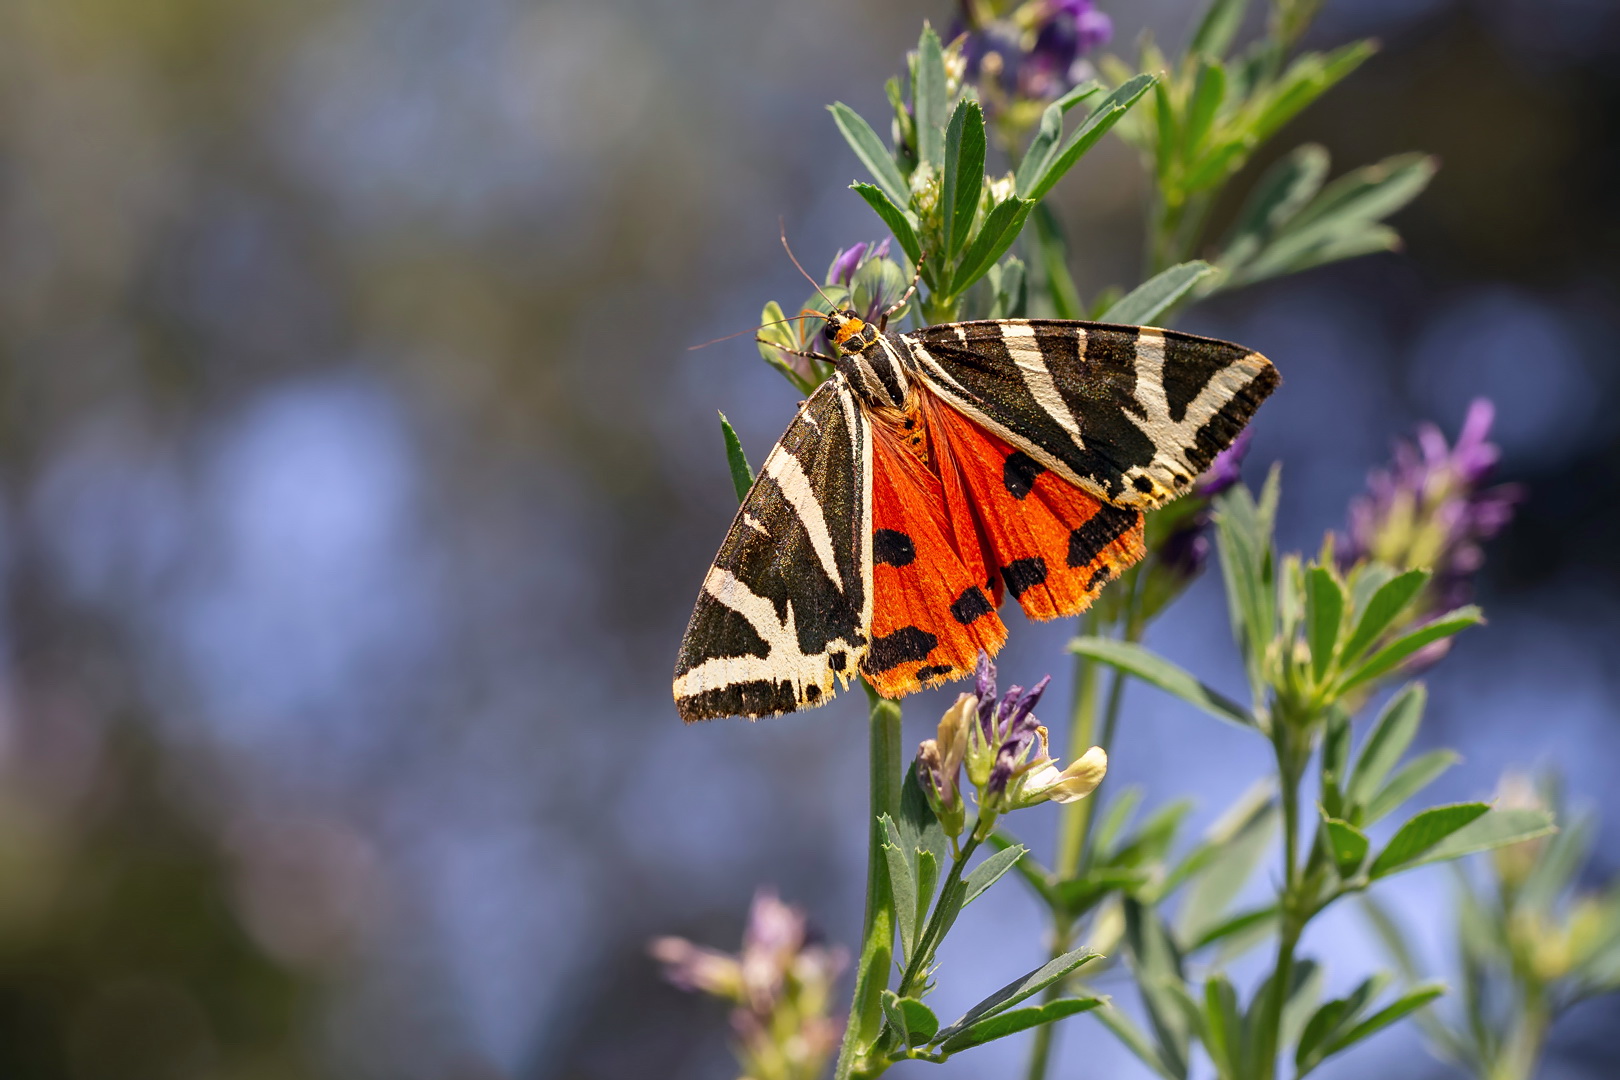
x=937 y=472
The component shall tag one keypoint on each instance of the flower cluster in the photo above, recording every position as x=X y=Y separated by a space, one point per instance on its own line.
x=1003 y=749
x=1022 y=56
x=780 y=983
x=1431 y=509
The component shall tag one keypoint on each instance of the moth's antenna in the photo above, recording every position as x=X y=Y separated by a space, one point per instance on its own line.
x=802 y=270
x=778 y=322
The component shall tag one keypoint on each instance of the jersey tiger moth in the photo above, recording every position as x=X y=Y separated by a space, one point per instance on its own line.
x=936 y=472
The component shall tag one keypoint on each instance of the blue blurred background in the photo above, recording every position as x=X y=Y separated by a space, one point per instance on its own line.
x=355 y=487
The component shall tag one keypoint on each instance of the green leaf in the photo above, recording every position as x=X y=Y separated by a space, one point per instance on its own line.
x=1159 y=293
x=1220 y=24
x=1237 y=841
x=1280 y=194
x=919 y=827
x=1306 y=991
x=1386 y=604
x=1209 y=91
x=1324 y=611
x=1498 y=828
x=1157 y=671
x=1223 y=1025
x=1036 y=876
x=1232 y=926
x=1021 y=988
x=1347 y=844
x=995 y=236
x=1391 y=655
x=914 y=1021
x=1080 y=894
x=1413 y=777
x=873 y=154
x=1331 y=1019
x=1391 y=735
x=1308 y=78
x=1096 y=125
x=742 y=477
x=1010 y=1023
x=1120 y=811
x=898 y=221
x=1407 y=1003
x=1053 y=251
x=1041 y=148
x=988 y=872
x=929 y=99
x=1157 y=962
x=1370 y=193
x=964 y=175
x=1137 y=1043
x=1422 y=832
x=902 y=885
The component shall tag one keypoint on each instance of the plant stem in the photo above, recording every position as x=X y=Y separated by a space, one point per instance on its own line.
x=1072 y=826
x=1292 y=756
x=877 y=934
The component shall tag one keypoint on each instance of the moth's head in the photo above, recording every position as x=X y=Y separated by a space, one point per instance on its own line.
x=848 y=331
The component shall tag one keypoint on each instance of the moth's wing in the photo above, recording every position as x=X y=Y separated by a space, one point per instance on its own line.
x=1131 y=413
x=933 y=611
x=784 y=614
x=1051 y=545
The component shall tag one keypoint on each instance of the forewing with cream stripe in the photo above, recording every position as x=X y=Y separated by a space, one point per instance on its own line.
x=1132 y=414
x=782 y=618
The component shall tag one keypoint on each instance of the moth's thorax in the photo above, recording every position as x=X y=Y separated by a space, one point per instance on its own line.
x=876 y=367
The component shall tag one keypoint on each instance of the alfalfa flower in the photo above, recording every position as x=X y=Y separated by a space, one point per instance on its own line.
x=780 y=982
x=1003 y=748
x=1431 y=509
x=1022 y=56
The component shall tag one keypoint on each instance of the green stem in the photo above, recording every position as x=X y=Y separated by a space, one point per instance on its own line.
x=1072 y=825
x=1292 y=757
x=877 y=934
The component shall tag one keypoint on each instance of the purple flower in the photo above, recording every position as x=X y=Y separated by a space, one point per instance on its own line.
x=1185 y=550
x=780 y=984
x=1036 y=52
x=1430 y=508
x=873 y=294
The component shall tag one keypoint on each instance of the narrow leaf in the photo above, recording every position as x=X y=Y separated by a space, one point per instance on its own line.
x=1010 y=1023
x=1137 y=1042
x=898 y=221
x=1157 y=671
x=902 y=885
x=1498 y=828
x=1021 y=988
x=1406 y=1004
x=1324 y=611
x=1280 y=194
x=929 y=99
x=1209 y=91
x=895 y=1017
x=742 y=477
x=1158 y=294
x=1412 y=778
x=1388 y=602
x=1391 y=655
x=988 y=872
x=1102 y=118
x=1157 y=961
x=1220 y=24
x=1041 y=148
x=1422 y=832
x=873 y=154
x=1391 y=735
x=995 y=236
x=964 y=175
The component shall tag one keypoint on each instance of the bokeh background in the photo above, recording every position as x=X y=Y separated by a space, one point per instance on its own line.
x=355 y=487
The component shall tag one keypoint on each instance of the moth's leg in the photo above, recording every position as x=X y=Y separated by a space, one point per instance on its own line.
x=883 y=320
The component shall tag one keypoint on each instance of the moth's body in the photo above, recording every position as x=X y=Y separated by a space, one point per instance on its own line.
x=937 y=471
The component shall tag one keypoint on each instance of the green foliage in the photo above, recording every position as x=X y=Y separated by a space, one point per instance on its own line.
x=742 y=477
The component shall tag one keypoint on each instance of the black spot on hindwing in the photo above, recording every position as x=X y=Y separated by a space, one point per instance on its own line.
x=906 y=645
x=891 y=547
x=932 y=671
x=1108 y=524
x=1022 y=575
x=1019 y=473
x=971 y=605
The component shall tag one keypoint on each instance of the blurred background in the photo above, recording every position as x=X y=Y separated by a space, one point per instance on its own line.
x=355 y=488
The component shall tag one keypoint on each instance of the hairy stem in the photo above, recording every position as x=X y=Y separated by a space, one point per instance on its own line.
x=877 y=934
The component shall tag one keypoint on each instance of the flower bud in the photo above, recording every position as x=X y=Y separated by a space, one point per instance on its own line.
x=1049 y=784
